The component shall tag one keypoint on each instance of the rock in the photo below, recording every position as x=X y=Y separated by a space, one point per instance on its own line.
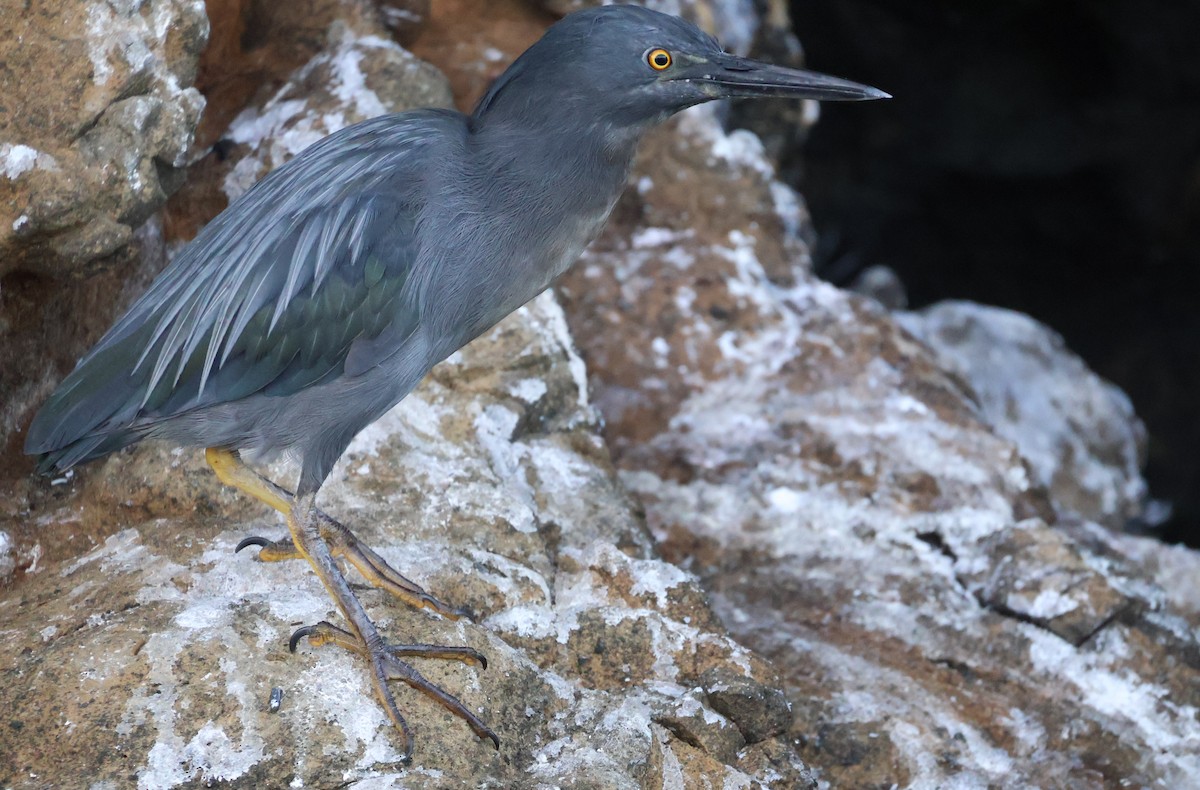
x=154 y=655
x=701 y=726
x=405 y=18
x=471 y=54
x=1173 y=569
x=759 y=711
x=1078 y=432
x=882 y=284
x=852 y=513
x=102 y=131
x=255 y=46
x=47 y=323
x=95 y=132
x=153 y=658
x=358 y=76
x=1037 y=575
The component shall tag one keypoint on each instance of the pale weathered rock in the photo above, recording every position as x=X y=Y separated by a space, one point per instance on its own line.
x=151 y=660
x=796 y=450
x=359 y=76
x=405 y=18
x=255 y=45
x=1077 y=431
x=853 y=515
x=97 y=123
x=1174 y=569
x=154 y=655
x=882 y=284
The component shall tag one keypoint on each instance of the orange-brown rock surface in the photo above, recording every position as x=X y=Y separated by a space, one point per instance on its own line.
x=814 y=558
x=855 y=517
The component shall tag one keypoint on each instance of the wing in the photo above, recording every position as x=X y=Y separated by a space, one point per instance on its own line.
x=304 y=278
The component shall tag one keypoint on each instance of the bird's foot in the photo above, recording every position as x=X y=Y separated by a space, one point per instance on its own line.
x=386 y=664
x=343 y=544
x=271 y=550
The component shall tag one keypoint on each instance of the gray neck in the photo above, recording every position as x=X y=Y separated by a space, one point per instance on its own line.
x=557 y=167
x=525 y=202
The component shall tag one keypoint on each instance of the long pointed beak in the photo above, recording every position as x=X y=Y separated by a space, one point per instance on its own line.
x=731 y=76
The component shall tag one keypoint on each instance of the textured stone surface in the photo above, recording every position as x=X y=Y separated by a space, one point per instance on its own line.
x=359 y=75
x=153 y=656
x=471 y=54
x=255 y=45
x=406 y=19
x=1078 y=432
x=353 y=71
x=810 y=469
x=851 y=512
x=96 y=124
x=98 y=119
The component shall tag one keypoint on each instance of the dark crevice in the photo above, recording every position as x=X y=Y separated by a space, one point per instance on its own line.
x=1116 y=616
x=935 y=540
x=674 y=727
x=1020 y=617
x=963 y=669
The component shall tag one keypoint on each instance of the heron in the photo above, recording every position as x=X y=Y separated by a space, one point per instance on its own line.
x=318 y=299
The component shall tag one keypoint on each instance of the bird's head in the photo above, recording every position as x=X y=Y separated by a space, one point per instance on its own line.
x=628 y=67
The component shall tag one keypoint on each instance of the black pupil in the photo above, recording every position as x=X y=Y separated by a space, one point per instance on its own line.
x=660 y=59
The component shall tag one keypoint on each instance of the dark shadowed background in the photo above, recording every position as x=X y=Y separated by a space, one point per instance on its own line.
x=1041 y=156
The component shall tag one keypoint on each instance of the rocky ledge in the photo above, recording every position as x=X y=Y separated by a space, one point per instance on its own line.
x=755 y=532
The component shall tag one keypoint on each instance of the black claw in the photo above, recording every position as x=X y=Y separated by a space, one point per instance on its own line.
x=483 y=665
x=495 y=740
x=298 y=635
x=255 y=541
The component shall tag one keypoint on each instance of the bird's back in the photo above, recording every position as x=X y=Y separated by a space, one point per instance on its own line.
x=304 y=279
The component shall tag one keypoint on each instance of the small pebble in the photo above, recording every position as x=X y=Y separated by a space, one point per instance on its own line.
x=276 y=700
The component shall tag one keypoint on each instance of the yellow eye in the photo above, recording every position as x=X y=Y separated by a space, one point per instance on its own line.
x=659 y=59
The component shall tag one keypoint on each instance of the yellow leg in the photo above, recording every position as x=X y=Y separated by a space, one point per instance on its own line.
x=343 y=544
x=232 y=471
x=317 y=538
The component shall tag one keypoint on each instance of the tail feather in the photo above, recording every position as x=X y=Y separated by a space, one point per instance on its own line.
x=90 y=413
x=86 y=449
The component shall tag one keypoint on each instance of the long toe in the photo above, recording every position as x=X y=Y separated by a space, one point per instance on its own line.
x=467 y=655
x=387 y=664
x=400 y=670
x=375 y=569
x=345 y=545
